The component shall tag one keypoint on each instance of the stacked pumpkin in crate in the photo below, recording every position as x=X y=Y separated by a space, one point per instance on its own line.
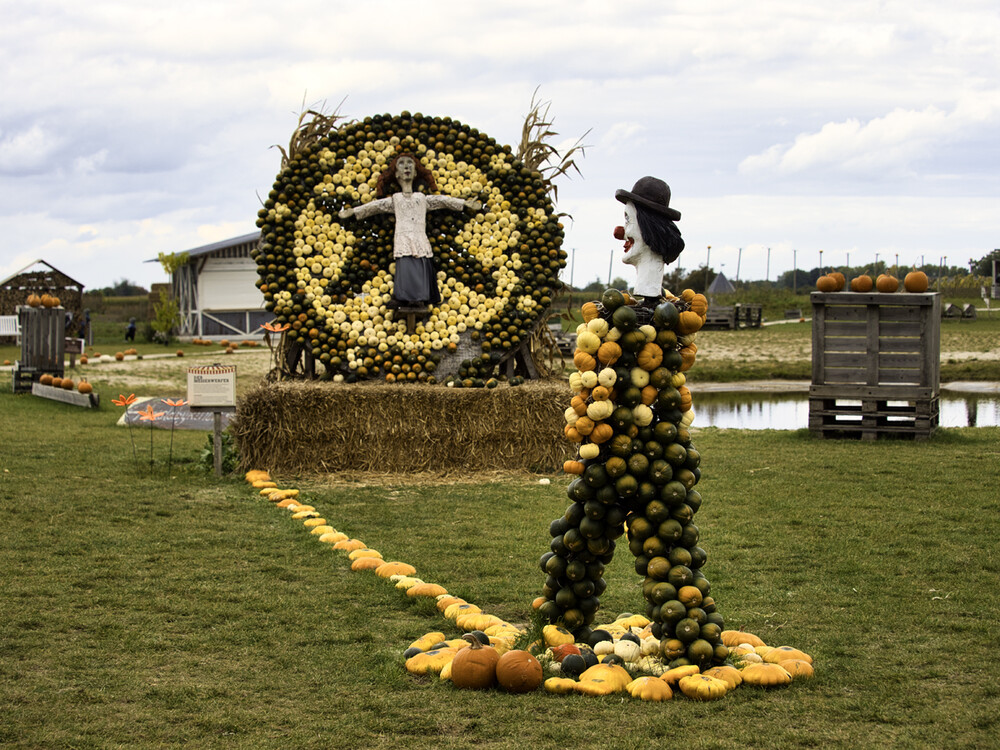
x=636 y=469
x=915 y=282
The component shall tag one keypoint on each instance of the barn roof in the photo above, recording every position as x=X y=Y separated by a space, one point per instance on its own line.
x=32 y=265
x=223 y=244
x=216 y=246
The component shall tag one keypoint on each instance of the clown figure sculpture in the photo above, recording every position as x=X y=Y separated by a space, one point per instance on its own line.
x=650 y=234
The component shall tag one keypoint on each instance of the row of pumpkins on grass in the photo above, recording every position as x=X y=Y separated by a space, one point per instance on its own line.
x=619 y=657
x=915 y=282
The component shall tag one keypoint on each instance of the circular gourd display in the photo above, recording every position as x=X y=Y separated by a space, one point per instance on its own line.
x=330 y=279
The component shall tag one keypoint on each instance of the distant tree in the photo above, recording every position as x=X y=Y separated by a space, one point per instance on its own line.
x=123 y=288
x=984 y=266
x=798 y=279
x=597 y=286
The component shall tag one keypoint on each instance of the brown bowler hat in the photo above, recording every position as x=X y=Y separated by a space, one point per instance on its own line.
x=652 y=193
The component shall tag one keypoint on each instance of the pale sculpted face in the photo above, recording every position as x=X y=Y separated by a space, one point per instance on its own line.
x=406 y=170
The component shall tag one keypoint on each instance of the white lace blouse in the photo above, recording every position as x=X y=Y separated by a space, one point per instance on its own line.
x=410 y=238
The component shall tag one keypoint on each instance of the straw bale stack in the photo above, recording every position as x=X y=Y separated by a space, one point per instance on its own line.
x=321 y=427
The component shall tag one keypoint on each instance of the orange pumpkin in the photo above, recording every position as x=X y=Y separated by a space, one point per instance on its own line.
x=579 y=405
x=840 y=280
x=85 y=387
x=609 y=352
x=601 y=433
x=886 y=283
x=573 y=467
x=685 y=397
x=584 y=425
x=600 y=393
x=589 y=311
x=33 y=300
x=862 y=283
x=687 y=357
x=475 y=666
x=583 y=361
x=689 y=322
x=649 y=357
x=916 y=282
x=826 y=284
x=699 y=304
x=519 y=672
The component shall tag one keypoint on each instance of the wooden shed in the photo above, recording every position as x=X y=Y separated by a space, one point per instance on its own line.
x=38 y=277
x=216 y=290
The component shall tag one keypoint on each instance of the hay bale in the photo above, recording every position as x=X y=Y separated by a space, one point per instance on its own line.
x=312 y=427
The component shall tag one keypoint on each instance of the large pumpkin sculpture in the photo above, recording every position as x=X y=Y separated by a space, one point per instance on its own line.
x=329 y=276
x=636 y=467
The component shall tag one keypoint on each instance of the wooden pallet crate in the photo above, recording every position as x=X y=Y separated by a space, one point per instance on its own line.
x=875 y=364
x=873 y=418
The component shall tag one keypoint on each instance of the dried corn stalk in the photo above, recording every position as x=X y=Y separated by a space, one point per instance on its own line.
x=536 y=151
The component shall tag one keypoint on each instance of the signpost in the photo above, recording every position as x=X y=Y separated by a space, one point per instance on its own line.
x=213 y=388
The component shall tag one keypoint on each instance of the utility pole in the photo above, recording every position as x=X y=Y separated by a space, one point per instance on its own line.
x=708 y=260
x=795 y=271
x=611 y=260
x=739 y=257
x=820 y=262
x=767 y=268
x=572 y=267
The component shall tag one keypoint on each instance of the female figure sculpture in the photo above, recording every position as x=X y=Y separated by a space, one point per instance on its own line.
x=415 y=280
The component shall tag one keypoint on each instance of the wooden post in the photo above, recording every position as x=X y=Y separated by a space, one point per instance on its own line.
x=217 y=443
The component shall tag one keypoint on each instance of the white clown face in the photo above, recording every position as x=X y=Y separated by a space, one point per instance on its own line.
x=636 y=249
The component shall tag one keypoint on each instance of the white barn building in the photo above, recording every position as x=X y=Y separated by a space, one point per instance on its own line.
x=216 y=290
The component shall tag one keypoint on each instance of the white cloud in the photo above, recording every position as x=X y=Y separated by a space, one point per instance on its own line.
x=891 y=143
x=151 y=124
x=26 y=151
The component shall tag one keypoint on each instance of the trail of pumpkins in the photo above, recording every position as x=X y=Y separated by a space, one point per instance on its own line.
x=620 y=657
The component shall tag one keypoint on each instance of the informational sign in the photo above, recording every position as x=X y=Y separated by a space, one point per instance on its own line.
x=212 y=387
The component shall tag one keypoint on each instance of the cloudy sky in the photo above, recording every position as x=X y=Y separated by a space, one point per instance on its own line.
x=857 y=128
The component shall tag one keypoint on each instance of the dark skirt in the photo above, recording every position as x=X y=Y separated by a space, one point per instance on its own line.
x=415 y=282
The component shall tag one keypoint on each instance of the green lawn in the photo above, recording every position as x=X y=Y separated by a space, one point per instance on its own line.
x=146 y=611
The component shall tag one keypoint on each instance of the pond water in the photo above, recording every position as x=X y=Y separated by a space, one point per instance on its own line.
x=752 y=410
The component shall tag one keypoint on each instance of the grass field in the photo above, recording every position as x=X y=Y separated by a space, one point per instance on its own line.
x=141 y=610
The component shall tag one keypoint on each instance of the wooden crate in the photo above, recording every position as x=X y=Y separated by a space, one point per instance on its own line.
x=875 y=364
x=872 y=418
x=43 y=338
